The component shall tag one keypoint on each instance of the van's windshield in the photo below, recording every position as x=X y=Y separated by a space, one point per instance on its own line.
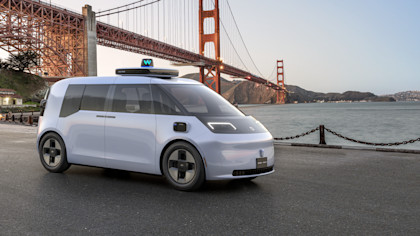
x=201 y=101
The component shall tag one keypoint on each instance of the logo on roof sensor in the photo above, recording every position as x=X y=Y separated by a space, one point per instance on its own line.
x=147 y=63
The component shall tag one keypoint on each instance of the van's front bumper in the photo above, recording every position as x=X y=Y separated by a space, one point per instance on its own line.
x=234 y=156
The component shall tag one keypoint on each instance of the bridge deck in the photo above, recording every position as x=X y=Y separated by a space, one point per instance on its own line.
x=313 y=191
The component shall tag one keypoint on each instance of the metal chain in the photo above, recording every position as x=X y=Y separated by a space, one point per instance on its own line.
x=298 y=136
x=372 y=144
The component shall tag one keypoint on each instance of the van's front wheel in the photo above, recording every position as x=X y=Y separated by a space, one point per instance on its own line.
x=183 y=167
x=52 y=153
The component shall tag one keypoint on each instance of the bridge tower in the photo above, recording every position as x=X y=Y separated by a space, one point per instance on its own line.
x=210 y=74
x=90 y=55
x=281 y=94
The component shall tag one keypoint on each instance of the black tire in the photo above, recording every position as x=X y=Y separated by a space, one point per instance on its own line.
x=183 y=167
x=52 y=152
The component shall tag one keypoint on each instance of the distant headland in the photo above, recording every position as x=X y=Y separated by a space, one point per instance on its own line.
x=245 y=92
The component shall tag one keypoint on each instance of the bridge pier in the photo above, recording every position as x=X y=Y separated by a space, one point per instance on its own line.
x=90 y=39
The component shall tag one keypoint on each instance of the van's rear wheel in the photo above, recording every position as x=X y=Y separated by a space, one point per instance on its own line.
x=183 y=167
x=52 y=153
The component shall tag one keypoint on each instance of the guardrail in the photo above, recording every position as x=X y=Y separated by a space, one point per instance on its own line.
x=322 y=141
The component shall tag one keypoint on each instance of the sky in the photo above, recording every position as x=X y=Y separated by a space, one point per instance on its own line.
x=326 y=45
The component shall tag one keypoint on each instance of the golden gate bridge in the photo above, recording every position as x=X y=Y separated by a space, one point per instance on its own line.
x=187 y=33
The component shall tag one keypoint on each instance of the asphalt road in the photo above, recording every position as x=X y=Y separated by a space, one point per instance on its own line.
x=313 y=191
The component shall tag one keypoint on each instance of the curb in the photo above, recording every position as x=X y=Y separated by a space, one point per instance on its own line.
x=348 y=147
x=17 y=123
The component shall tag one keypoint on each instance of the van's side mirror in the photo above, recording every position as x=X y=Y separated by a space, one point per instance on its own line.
x=42 y=105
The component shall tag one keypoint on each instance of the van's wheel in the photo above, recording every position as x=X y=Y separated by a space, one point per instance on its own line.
x=183 y=167
x=52 y=153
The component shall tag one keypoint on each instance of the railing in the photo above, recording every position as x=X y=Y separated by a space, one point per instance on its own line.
x=322 y=141
x=27 y=118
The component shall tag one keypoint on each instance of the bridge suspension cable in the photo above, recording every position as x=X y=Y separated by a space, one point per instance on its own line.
x=236 y=54
x=115 y=8
x=233 y=46
x=272 y=73
x=128 y=9
x=242 y=39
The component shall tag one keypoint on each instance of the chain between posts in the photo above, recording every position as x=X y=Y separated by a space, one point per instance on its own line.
x=321 y=127
x=299 y=135
x=371 y=143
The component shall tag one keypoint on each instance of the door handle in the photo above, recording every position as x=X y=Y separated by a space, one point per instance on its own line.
x=101 y=116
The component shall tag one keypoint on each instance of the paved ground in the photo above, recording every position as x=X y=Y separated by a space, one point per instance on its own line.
x=314 y=191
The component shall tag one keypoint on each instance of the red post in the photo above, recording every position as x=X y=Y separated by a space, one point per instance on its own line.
x=210 y=74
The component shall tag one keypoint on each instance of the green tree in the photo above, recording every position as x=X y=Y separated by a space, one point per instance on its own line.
x=4 y=65
x=22 y=61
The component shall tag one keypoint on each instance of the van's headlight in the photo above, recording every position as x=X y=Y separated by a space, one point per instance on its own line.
x=232 y=125
x=221 y=127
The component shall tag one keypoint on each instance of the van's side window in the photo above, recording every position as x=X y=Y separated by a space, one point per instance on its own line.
x=132 y=99
x=94 y=97
x=72 y=99
x=163 y=104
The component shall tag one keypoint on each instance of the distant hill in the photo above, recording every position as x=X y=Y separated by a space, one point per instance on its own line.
x=406 y=96
x=252 y=93
x=301 y=95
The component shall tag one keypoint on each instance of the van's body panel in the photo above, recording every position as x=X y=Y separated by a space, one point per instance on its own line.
x=84 y=136
x=165 y=133
x=137 y=141
x=130 y=142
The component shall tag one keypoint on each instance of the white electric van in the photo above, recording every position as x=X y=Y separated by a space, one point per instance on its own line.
x=147 y=120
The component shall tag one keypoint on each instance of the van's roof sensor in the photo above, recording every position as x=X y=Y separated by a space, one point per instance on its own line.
x=148 y=70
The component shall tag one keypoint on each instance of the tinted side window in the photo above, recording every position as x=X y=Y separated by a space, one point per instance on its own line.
x=163 y=104
x=72 y=99
x=94 y=97
x=132 y=99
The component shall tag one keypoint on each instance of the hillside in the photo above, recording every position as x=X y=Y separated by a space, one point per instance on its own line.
x=29 y=86
x=251 y=93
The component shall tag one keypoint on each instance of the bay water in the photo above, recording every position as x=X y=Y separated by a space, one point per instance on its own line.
x=378 y=122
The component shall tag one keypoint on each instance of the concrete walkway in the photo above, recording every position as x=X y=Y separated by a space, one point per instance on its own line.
x=313 y=191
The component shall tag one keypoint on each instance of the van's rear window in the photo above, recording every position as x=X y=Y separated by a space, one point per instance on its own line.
x=94 y=97
x=72 y=99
